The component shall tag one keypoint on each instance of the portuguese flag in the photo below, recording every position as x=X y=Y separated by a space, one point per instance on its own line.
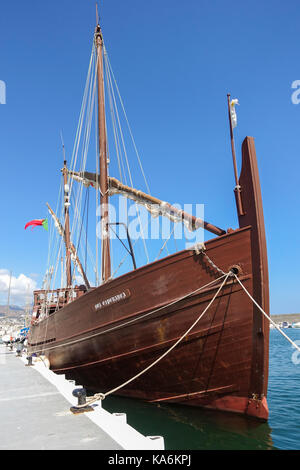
x=36 y=223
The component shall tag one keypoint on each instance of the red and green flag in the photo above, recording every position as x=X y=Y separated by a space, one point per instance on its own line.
x=36 y=223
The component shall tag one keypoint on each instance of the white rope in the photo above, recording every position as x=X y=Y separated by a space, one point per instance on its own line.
x=102 y=396
x=85 y=112
x=80 y=121
x=165 y=244
x=114 y=125
x=133 y=320
x=126 y=156
x=86 y=139
x=175 y=344
x=54 y=239
x=88 y=109
x=267 y=316
x=127 y=121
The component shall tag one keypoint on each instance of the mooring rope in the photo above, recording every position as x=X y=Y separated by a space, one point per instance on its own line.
x=266 y=315
x=128 y=322
x=102 y=396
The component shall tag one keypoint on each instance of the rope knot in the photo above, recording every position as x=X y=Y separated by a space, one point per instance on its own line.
x=199 y=248
x=100 y=396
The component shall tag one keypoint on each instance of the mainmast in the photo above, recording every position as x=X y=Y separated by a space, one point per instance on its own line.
x=104 y=198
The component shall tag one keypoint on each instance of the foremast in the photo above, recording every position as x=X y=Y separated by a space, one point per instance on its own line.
x=104 y=197
x=73 y=250
x=67 y=226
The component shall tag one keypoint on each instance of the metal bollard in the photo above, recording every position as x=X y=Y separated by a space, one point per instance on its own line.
x=80 y=394
x=29 y=359
x=19 y=349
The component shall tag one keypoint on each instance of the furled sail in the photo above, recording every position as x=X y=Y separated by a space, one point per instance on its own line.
x=155 y=206
x=74 y=255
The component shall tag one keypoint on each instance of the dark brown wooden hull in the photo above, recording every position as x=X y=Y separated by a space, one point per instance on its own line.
x=222 y=363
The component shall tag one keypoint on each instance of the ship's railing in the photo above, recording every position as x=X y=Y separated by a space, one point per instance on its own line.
x=47 y=302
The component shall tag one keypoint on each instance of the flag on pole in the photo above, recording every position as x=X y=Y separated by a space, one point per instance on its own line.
x=36 y=223
x=233 y=115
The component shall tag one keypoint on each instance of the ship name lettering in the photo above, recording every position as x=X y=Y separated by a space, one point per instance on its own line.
x=112 y=300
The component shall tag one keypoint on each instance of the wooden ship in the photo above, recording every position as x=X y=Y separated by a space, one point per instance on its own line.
x=103 y=336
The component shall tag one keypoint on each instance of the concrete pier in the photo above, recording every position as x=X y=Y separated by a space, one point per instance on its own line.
x=35 y=414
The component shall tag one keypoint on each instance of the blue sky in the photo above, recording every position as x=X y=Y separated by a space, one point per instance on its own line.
x=175 y=62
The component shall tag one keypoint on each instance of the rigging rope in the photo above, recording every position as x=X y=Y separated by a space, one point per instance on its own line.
x=165 y=243
x=80 y=121
x=102 y=396
x=55 y=245
x=266 y=315
x=127 y=121
x=116 y=114
x=179 y=299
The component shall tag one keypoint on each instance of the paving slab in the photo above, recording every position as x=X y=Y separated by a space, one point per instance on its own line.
x=35 y=416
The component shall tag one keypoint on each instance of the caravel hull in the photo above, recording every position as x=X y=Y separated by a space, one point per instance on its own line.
x=116 y=330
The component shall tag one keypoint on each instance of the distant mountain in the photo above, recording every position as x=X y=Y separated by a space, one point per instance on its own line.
x=12 y=311
x=15 y=307
x=290 y=317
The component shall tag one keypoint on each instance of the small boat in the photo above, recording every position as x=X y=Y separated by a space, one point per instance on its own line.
x=296 y=325
x=6 y=339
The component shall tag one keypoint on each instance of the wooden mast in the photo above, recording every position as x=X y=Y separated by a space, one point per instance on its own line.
x=237 y=189
x=104 y=198
x=73 y=251
x=67 y=225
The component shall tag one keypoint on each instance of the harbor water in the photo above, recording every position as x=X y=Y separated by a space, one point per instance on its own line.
x=186 y=428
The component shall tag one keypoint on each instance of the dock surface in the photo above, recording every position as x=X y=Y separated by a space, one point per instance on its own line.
x=35 y=416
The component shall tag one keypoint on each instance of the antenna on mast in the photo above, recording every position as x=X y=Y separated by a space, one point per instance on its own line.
x=63 y=146
x=97 y=15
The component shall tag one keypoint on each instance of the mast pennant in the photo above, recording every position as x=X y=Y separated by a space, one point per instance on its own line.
x=233 y=115
x=37 y=223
